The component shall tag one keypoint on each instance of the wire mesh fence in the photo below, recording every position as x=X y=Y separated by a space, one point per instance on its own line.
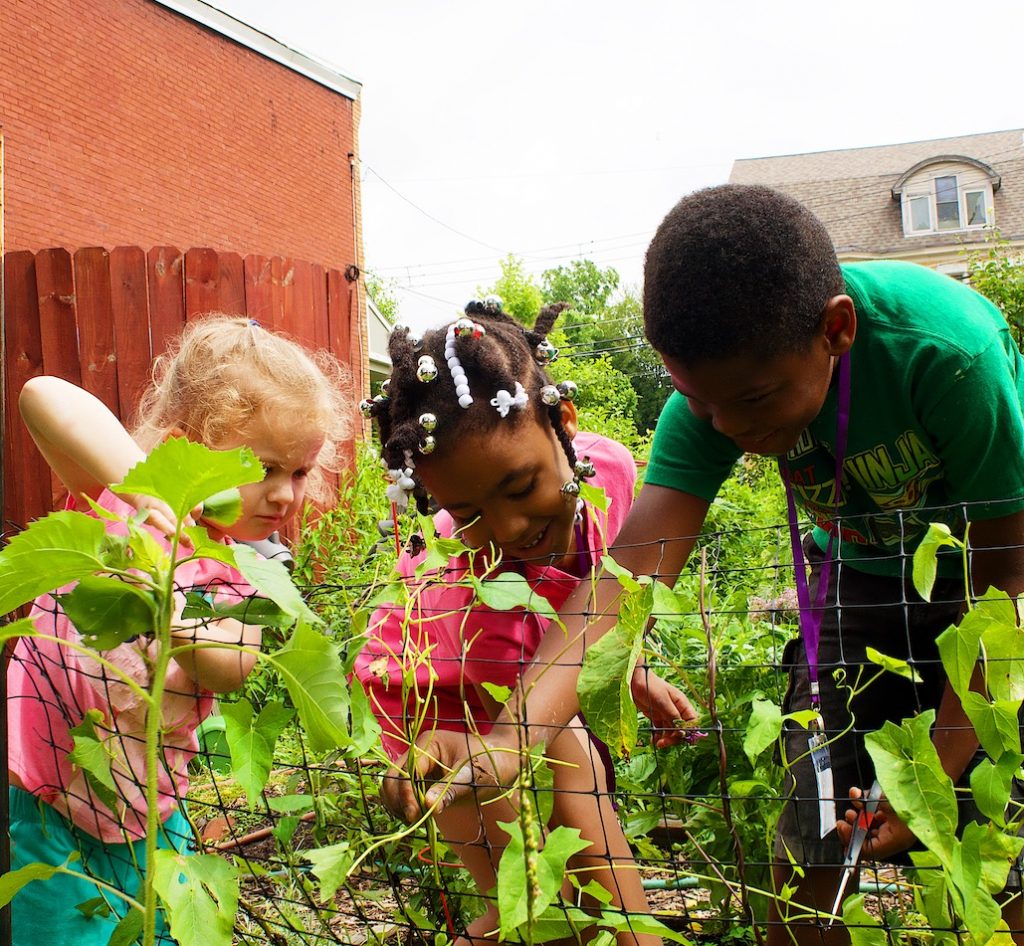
x=686 y=833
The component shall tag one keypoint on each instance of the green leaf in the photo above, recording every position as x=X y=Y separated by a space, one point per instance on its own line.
x=331 y=866
x=958 y=647
x=893 y=664
x=995 y=723
x=669 y=605
x=312 y=672
x=291 y=803
x=551 y=861
x=52 y=552
x=624 y=575
x=12 y=882
x=642 y=923
x=991 y=784
x=595 y=496
x=543 y=780
x=259 y=611
x=365 y=728
x=107 y=611
x=510 y=590
x=205 y=547
x=272 y=580
x=1002 y=643
x=864 y=929
x=183 y=473
x=201 y=894
x=606 y=699
x=96 y=906
x=763 y=728
x=23 y=627
x=995 y=853
x=223 y=508
x=498 y=693
x=926 y=557
x=91 y=755
x=908 y=768
x=251 y=742
x=127 y=932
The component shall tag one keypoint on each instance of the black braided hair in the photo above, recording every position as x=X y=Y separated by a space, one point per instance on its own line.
x=503 y=355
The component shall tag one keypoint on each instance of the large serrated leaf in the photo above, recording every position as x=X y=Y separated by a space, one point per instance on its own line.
x=52 y=552
x=184 y=474
x=107 y=611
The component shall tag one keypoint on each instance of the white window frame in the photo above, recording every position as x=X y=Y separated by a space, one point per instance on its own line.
x=927 y=190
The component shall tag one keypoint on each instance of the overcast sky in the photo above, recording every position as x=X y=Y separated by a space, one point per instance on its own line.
x=555 y=130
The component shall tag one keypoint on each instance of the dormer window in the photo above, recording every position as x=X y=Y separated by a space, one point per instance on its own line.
x=946 y=194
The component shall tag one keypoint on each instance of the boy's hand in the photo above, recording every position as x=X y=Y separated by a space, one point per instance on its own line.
x=887 y=834
x=665 y=705
x=448 y=765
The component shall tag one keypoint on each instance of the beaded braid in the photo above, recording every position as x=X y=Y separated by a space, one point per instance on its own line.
x=496 y=353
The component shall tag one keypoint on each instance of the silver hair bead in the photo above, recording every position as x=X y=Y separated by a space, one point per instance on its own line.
x=567 y=390
x=584 y=468
x=426 y=370
x=549 y=395
x=365 y=406
x=464 y=328
x=385 y=387
x=399 y=327
x=492 y=303
x=428 y=422
x=428 y=445
x=572 y=488
x=545 y=353
x=416 y=341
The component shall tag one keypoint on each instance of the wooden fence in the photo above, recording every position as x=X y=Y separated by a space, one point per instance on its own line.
x=98 y=318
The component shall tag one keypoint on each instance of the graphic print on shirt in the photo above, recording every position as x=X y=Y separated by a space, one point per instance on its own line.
x=892 y=476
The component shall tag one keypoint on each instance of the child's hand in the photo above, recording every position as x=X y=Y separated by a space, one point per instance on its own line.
x=665 y=705
x=456 y=763
x=887 y=835
x=159 y=514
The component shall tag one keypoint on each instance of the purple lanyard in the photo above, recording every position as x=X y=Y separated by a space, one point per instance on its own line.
x=810 y=617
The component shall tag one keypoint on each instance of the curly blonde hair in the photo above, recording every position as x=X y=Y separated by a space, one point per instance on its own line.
x=223 y=370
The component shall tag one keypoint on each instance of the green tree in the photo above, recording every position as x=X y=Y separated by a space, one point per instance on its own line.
x=382 y=292
x=997 y=272
x=520 y=296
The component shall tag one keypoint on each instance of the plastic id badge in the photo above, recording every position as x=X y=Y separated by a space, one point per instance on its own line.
x=822 y=762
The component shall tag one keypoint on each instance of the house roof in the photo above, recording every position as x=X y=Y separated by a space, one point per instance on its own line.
x=851 y=190
x=309 y=66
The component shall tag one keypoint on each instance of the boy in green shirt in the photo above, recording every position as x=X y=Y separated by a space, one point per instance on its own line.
x=765 y=339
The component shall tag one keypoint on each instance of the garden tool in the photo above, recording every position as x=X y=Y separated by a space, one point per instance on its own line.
x=860 y=833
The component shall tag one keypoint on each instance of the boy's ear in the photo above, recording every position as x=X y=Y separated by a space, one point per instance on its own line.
x=174 y=432
x=569 y=421
x=839 y=323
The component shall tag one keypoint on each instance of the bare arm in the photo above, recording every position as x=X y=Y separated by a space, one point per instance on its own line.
x=81 y=440
x=656 y=539
x=213 y=668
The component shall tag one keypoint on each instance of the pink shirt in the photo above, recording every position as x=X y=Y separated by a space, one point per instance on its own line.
x=450 y=648
x=50 y=688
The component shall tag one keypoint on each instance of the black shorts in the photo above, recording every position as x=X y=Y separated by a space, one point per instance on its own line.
x=861 y=611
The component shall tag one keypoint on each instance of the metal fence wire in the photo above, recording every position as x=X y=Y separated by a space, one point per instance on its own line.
x=321 y=860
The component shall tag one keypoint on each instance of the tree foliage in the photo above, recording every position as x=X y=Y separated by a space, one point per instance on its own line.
x=997 y=272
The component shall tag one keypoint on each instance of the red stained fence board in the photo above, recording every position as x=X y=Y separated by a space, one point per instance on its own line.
x=129 y=298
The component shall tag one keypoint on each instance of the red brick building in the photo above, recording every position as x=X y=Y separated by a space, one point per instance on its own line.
x=133 y=132
x=134 y=122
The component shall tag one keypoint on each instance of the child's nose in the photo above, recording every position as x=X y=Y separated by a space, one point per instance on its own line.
x=281 y=490
x=510 y=529
x=730 y=423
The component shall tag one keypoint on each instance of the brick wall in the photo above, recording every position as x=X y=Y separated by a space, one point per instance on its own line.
x=127 y=124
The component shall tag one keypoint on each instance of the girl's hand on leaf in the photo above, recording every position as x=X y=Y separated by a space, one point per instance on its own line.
x=159 y=514
x=448 y=765
x=665 y=705
x=887 y=835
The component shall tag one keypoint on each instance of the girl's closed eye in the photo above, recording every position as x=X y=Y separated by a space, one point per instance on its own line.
x=523 y=492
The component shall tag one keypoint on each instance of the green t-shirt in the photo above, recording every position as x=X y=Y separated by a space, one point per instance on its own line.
x=936 y=420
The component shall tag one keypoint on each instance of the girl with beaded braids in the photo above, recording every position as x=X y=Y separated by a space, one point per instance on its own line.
x=471 y=418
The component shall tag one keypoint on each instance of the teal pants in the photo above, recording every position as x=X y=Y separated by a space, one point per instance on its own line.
x=45 y=912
